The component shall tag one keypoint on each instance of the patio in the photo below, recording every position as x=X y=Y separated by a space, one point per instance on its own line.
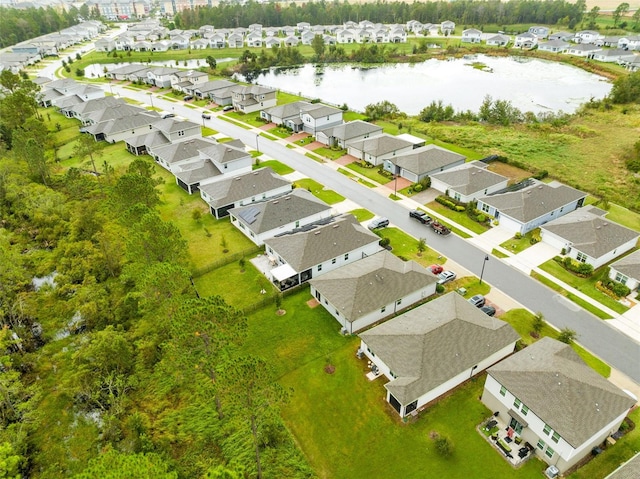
x=504 y=439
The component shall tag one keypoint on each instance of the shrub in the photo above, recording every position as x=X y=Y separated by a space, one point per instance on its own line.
x=444 y=446
x=460 y=208
x=618 y=289
x=567 y=335
x=481 y=218
x=417 y=187
x=439 y=288
x=384 y=242
x=518 y=236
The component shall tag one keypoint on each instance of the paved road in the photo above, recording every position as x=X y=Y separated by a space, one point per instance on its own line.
x=620 y=351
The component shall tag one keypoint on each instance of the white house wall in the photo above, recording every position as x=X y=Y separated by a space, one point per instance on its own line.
x=631 y=283
x=311 y=125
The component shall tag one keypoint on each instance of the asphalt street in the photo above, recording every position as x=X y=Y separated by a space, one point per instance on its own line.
x=620 y=351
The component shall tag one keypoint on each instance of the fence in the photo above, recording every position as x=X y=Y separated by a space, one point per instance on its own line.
x=270 y=299
x=226 y=259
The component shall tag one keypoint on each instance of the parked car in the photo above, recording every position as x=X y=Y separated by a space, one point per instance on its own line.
x=436 y=269
x=206 y=116
x=188 y=98
x=446 y=276
x=166 y=114
x=421 y=216
x=227 y=108
x=477 y=300
x=378 y=222
x=488 y=310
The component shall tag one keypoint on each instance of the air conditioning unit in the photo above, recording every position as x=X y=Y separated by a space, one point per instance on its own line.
x=552 y=472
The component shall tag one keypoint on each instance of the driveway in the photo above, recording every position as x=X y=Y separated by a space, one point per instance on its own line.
x=532 y=257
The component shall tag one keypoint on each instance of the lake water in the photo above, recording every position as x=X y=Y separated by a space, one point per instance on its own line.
x=530 y=85
x=96 y=70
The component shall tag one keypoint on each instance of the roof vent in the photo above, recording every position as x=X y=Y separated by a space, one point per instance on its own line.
x=540 y=187
x=317 y=232
x=287 y=198
x=336 y=226
x=275 y=202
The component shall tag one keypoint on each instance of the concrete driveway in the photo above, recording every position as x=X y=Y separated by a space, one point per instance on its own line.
x=532 y=257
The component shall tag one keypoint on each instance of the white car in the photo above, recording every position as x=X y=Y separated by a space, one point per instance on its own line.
x=446 y=276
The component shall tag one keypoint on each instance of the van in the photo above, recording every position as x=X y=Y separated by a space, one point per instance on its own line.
x=378 y=222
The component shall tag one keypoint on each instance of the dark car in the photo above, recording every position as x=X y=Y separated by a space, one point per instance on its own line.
x=436 y=268
x=188 y=98
x=421 y=216
x=477 y=300
x=206 y=116
x=488 y=310
x=228 y=108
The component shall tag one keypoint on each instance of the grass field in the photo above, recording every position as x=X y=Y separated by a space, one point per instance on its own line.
x=459 y=217
x=328 y=196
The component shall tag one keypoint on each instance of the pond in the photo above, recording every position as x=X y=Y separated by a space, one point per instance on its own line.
x=96 y=70
x=529 y=84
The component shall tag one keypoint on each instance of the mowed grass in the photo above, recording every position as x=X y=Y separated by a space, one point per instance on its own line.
x=521 y=320
x=275 y=165
x=330 y=153
x=319 y=191
x=362 y=214
x=219 y=282
x=406 y=246
x=372 y=173
x=458 y=217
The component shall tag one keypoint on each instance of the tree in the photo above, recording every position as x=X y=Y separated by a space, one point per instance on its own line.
x=422 y=246
x=318 y=46
x=212 y=62
x=381 y=110
x=152 y=240
x=131 y=189
x=567 y=335
x=636 y=18
x=538 y=323
x=626 y=89
x=620 y=11
x=118 y=465
x=88 y=146
x=29 y=145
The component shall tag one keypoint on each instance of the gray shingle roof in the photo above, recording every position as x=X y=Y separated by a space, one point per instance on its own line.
x=366 y=285
x=629 y=265
x=431 y=344
x=306 y=249
x=320 y=110
x=590 y=232
x=352 y=129
x=629 y=470
x=558 y=387
x=380 y=145
x=197 y=171
x=427 y=158
x=182 y=150
x=288 y=109
x=269 y=215
x=225 y=152
x=470 y=179
x=532 y=202
x=230 y=190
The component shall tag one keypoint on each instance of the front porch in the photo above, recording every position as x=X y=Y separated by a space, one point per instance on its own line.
x=504 y=438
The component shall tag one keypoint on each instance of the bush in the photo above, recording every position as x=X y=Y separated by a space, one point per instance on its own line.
x=481 y=218
x=444 y=446
x=618 y=289
x=460 y=208
x=439 y=288
x=581 y=269
x=384 y=242
x=518 y=236
x=417 y=187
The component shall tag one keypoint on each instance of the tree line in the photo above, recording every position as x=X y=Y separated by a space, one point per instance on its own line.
x=117 y=353
x=467 y=12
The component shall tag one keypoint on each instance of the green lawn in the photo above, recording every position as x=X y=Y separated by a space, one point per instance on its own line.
x=252 y=119
x=283 y=98
x=518 y=245
x=498 y=253
x=352 y=115
x=406 y=246
x=362 y=214
x=206 y=131
x=471 y=284
x=521 y=320
x=221 y=280
x=280 y=132
x=304 y=141
x=314 y=157
x=623 y=216
x=372 y=173
x=584 y=285
x=275 y=165
x=328 y=196
x=330 y=153
x=459 y=217
x=356 y=178
x=469 y=153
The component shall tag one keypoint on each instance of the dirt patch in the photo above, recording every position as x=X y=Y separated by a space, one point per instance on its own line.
x=312 y=303
x=281 y=312
x=513 y=173
x=329 y=369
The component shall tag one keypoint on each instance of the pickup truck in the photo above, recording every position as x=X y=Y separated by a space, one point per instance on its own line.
x=439 y=228
x=421 y=216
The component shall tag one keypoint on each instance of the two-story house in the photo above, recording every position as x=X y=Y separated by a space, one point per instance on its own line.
x=248 y=99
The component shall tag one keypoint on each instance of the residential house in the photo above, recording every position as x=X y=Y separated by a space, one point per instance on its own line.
x=525 y=41
x=167 y=130
x=498 y=40
x=139 y=76
x=532 y=206
x=248 y=99
x=345 y=36
x=433 y=348
x=539 y=31
x=174 y=156
x=627 y=270
x=612 y=55
x=231 y=158
x=266 y=219
x=120 y=129
x=105 y=44
x=397 y=35
x=588 y=237
x=314 y=250
x=447 y=28
x=554 y=46
x=633 y=43
x=203 y=90
x=468 y=183
x=123 y=72
x=564 y=36
x=419 y=163
x=254 y=40
x=84 y=109
x=587 y=36
x=181 y=80
x=371 y=289
x=231 y=192
x=307 y=37
x=282 y=113
x=200 y=44
x=378 y=148
x=552 y=400
x=217 y=41
x=191 y=175
x=271 y=42
x=611 y=41
x=584 y=50
x=471 y=35
x=320 y=117
x=291 y=41
x=114 y=112
x=224 y=96
x=338 y=136
x=235 y=40
x=161 y=76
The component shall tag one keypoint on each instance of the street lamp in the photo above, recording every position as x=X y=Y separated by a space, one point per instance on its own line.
x=151 y=98
x=395 y=187
x=257 y=137
x=486 y=258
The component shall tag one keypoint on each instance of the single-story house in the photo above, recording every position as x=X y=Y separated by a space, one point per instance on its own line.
x=189 y=176
x=231 y=158
x=173 y=156
x=119 y=129
x=564 y=36
x=378 y=148
x=587 y=236
x=281 y=113
x=585 y=50
x=314 y=250
x=425 y=161
x=266 y=219
x=233 y=191
x=433 y=348
x=366 y=291
x=468 y=183
x=627 y=270
x=538 y=203
x=539 y=31
x=610 y=56
x=123 y=72
x=554 y=46
x=350 y=131
x=498 y=40
x=551 y=399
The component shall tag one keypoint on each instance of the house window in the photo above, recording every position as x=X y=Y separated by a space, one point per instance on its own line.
x=333 y=261
x=337 y=313
x=399 y=302
x=621 y=278
x=540 y=444
x=181 y=133
x=346 y=256
x=547 y=429
x=516 y=403
x=297 y=224
x=456 y=196
x=485 y=207
x=555 y=437
x=319 y=267
x=581 y=257
x=524 y=410
x=383 y=309
x=549 y=452
x=503 y=391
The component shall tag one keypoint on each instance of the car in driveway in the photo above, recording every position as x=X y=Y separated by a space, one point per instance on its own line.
x=421 y=216
x=436 y=269
x=488 y=310
x=378 y=222
x=206 y=116
x=227 y=108
x=446 y=276
x=477 y=300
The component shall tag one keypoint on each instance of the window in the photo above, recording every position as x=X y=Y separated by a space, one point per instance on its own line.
x=581 y=257
x=456 y=196
x=485 y=207
x=346 y=256
x=503 y=391
x=621 y=278
x=399 y=302
x=337 y=313
x=524 y=410
x=319 y=267
x=555 y=437
x=333 y=261
x=549 y=452
x=547 y=429
x=383 y=309
x=181 y=133
x=540 y=444
x=516 y=403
